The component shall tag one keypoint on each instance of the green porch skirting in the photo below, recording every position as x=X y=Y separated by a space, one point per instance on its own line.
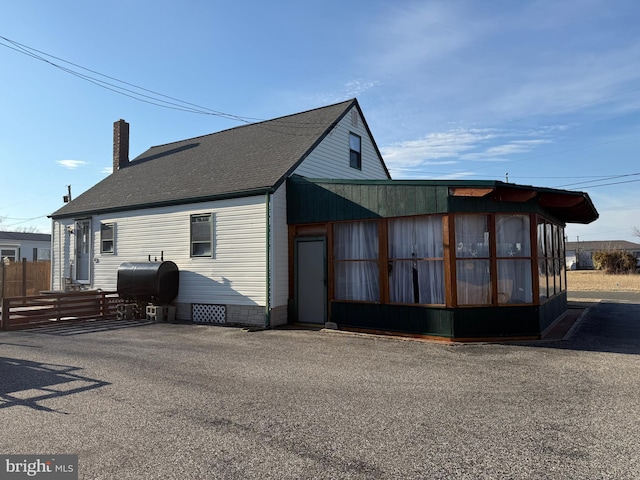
x=452 y=323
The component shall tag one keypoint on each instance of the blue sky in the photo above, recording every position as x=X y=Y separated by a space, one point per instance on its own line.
x=546 y=91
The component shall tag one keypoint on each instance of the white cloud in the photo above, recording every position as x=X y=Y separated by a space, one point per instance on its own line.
x=71 y=164
x=423 y=151
x=502 y=152
x=459 y=145
x=354 y=88
x=350 y=89
x=523 y=62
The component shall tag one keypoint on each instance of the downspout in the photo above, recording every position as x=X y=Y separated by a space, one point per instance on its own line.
x=52 y=255
x=267 y=317
x=60 y=262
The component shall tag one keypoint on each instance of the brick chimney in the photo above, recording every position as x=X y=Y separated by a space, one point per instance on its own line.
x=120 y=144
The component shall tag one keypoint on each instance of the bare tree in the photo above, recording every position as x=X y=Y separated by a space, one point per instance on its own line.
x=30 y=229
x=635 y=231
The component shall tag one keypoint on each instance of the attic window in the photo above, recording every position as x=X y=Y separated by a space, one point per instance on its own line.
x=355 y=155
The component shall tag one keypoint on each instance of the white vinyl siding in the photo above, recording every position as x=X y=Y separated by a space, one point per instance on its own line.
x=279 y=249
x=24 y=249
x=330 y=159
x=62 y=247
x=237 y=274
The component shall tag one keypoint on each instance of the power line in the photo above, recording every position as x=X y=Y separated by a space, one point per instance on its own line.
x=150 y=97
x=26 y=220
x=187 y=106
x=613 y=183
x=601 y=179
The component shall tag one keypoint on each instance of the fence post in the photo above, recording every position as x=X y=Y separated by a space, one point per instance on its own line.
x=103 y=305
x=24 y=277
x=4 y=321
x=57 y=308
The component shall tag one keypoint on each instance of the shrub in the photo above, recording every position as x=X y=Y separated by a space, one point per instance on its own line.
x=614 y=262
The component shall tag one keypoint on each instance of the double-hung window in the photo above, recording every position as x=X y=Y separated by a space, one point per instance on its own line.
x=202 y=235
x=9 y=253
x=355 y=152
x=107 y=238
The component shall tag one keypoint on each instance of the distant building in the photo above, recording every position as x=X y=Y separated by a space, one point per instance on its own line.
x=17 y=245
x=579 y=255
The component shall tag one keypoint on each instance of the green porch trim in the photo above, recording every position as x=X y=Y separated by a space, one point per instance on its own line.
x=453 y=323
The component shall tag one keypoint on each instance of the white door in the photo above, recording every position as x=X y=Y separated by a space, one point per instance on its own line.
x=83 y=251
x=311 y=280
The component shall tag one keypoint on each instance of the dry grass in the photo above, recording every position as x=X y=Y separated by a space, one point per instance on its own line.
x=598 y=281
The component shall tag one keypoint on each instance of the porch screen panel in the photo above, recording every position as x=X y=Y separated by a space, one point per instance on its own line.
x=473 y=268
x=356 y=272
x=543 y=267
x=416 y=265
x=551 y=251
x=557 y=238
x=513 y=250
x=551 y=259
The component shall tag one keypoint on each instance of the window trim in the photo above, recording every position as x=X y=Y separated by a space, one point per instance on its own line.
x=358 y=162
x=16 y=254
x=103 y=227
x=210 y=242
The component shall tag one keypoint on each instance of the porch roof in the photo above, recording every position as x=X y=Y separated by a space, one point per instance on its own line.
x=317 y=200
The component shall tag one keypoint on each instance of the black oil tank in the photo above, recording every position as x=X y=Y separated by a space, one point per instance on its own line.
x=148 y=281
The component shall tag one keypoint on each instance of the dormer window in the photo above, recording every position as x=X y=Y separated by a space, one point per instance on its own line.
x=355 y=155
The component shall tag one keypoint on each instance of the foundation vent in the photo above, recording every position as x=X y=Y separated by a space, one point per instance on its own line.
x=206 y=313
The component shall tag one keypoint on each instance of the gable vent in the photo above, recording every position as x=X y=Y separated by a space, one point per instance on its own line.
x=354 y=117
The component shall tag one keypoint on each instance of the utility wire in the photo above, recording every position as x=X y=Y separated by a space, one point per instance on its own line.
x=37 y=54
x=613 y=183
x=188 y=107
x=25 y=221
x=150 y=97
x=601 y=179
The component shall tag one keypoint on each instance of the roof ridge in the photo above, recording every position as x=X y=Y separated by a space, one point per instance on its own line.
x=255 y=124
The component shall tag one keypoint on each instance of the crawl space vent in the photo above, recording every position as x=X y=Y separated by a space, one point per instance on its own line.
x=205 y=313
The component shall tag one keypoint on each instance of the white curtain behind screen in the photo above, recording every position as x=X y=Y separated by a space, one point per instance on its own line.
x=356 y=268
x=416 y=266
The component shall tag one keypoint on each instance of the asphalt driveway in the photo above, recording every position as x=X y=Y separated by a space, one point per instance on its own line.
x=163 y=401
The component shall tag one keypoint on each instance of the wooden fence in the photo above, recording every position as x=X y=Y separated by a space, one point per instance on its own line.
x=19 y=279
x=39 y=310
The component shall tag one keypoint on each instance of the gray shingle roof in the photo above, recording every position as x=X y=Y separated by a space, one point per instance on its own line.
x=243 y=160
x=25 y=236
x=602 y=245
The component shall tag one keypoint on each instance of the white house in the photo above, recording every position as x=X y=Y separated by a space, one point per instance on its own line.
x=18 y=245
x=214 y=205
x=581 y=252
x=297 y=219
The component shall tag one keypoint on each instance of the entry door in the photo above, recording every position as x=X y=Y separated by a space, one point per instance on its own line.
x=83 y=250
x=311 y=280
